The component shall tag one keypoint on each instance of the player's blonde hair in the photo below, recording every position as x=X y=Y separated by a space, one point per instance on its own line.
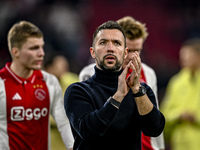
x=133 y=29
x=19 y=33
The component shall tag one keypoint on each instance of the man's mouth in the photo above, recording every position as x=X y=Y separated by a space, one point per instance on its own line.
x=110 y=57
x=39 y=61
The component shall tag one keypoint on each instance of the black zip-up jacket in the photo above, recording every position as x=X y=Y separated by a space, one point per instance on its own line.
x=98 y=125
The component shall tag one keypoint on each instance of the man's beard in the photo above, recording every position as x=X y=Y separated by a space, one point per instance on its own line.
x=104 y=67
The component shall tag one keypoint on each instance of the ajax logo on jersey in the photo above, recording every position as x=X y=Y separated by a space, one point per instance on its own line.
x=40 y=94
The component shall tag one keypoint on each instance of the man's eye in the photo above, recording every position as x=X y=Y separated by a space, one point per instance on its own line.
x=34 y=48
x=132 y=51
x=117 y=43
x=138 y=50
x=102 y=43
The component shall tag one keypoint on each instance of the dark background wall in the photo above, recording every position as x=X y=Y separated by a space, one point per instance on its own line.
x=68 y=26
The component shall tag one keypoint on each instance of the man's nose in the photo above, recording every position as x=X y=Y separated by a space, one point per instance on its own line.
x=110 y=47
x=41 y=52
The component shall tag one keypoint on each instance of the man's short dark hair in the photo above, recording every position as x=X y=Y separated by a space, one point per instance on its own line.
x=109 y=25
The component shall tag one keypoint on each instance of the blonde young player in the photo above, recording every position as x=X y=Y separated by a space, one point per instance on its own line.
x=28 y=95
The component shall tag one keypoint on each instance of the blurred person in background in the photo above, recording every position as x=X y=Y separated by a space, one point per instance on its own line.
x=182 y=100
x=29 y=95
x=57 y=64
x=136 y=34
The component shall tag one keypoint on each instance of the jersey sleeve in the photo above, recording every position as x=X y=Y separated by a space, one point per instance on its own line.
x=58 y=113
x=156 y=142
x=86 y=72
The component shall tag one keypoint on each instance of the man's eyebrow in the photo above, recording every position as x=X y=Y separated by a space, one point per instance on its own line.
x=114 y=40
x=103 y=39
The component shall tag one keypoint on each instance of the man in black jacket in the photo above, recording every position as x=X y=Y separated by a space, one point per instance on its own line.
x=109 y=110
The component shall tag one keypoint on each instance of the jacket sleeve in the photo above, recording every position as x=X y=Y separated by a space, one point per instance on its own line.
x=152 y=123
x=85 y=120
x=58 y=113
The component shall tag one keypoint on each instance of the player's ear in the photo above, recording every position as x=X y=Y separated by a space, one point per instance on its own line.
x=92 y=52
x=126 y=52
x=15 y=52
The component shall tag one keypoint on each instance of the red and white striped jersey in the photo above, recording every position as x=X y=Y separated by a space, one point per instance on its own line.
x=25 y=106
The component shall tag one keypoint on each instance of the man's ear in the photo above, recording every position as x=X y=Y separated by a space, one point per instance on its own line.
x=126 y=52
x=15 y=52
x=92 y=52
